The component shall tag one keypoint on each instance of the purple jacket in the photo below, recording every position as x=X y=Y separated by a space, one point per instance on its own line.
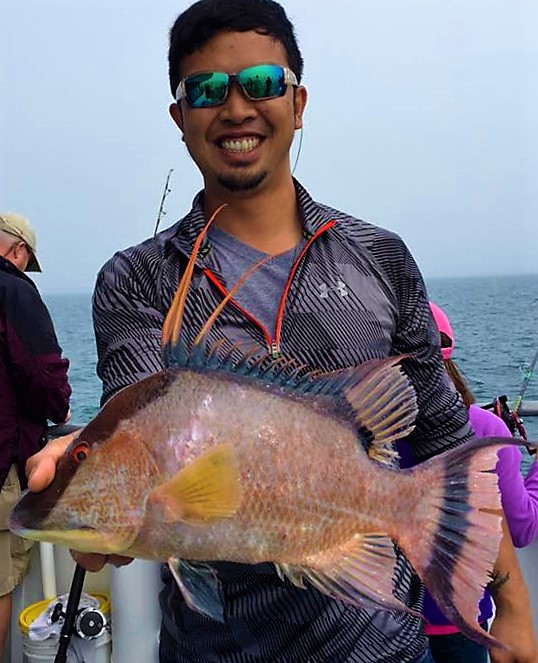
x=33 y=375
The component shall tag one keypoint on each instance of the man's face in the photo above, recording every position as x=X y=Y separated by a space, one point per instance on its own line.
x=241 y=145
x=17 y=252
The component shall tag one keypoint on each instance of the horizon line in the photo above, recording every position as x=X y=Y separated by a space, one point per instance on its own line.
x=455 y=277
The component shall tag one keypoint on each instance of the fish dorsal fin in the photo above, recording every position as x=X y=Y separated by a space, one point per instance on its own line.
x=381 y=397
x=206 y=490
x=173 y=350
x=174 y=319
x=385 y=406
x=229 y=296
x=360 y=572
x=377 y=395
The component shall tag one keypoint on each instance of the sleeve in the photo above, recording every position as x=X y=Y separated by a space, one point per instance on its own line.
x=34 y=357
x=442 y=421
x=519 y=496
x=127 y=327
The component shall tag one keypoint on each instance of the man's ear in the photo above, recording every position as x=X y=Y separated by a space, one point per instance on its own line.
x=177 y=115
x=299 y=102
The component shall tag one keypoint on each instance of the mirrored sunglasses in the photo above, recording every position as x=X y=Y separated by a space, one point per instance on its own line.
x=210 y=88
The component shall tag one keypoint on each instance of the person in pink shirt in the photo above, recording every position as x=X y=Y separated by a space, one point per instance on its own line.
x=519 y=497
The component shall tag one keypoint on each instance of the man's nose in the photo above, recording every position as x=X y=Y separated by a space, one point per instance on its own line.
x=238 y=107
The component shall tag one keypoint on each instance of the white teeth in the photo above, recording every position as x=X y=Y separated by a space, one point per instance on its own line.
x=243 y=145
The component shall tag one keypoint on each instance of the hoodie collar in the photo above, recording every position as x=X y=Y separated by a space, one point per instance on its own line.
x=184 y=233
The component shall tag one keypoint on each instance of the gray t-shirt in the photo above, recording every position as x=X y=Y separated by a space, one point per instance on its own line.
x=261 y=293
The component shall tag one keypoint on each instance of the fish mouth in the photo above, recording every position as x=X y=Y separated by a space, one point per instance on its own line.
x=31 y=525
x=29 y=520
x=26 y=515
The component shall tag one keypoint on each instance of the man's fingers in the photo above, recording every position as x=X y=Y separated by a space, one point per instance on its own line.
x=119 y=560
x=89 y=561
x=95 y=561
x=40 y=473
x=41 y=468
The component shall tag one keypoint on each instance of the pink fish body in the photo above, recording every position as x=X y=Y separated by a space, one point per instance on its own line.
x=204 y=465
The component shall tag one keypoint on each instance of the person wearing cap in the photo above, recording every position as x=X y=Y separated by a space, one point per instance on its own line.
x=20 y=238
x=33 y=389
x=519 y=498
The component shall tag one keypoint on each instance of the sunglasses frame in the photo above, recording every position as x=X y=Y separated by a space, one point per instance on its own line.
x=290 y=79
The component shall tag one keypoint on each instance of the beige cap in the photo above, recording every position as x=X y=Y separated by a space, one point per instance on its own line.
x=16 y=225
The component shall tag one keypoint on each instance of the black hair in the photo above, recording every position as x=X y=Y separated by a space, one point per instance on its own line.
x=206 y=18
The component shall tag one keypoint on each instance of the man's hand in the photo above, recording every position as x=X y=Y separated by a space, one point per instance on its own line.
x=40 y=470
x=95 y=561
x=518 y=636
x=41 y=467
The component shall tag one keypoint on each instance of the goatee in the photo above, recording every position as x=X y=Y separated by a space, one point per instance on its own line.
x=242 y=182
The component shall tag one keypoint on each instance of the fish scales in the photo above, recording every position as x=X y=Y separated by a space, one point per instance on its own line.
x=299 y=468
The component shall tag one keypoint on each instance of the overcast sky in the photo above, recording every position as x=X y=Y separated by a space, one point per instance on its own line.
x=422 y=118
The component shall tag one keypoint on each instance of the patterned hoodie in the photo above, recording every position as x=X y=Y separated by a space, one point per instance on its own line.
x=354 y=294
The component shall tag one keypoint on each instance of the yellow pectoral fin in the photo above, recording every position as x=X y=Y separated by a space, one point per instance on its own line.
x=208 y=489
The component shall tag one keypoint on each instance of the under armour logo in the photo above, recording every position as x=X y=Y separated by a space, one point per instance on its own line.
x=325 y=289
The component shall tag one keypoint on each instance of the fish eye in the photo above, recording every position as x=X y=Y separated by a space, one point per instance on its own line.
x=80 y=452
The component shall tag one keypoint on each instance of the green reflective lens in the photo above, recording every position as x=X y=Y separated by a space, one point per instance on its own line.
x=262 y=81
x=207 y=89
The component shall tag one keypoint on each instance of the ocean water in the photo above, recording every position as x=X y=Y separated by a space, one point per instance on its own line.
x=495 y=321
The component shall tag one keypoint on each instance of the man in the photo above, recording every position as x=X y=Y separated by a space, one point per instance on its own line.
x=33 y=389
x=337 y=292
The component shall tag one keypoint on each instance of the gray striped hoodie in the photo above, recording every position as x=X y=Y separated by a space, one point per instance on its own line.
x=354 y=294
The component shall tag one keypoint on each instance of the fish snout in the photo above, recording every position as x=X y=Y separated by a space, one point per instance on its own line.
x=28 y=513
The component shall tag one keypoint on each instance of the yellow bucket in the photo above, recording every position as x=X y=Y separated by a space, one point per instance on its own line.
x=32 y=612
x=44 y=651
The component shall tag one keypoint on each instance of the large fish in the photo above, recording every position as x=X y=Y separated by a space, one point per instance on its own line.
x=256 y=462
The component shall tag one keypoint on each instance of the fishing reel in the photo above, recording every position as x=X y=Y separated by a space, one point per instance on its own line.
x=511 y=418
x=89 y=623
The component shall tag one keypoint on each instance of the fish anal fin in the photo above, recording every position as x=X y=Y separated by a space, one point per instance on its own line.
x=295 y=574
x=199 y=586
x=206 y=490
x=359 y=572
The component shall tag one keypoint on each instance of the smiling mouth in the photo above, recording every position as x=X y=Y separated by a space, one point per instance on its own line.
x=240 y=145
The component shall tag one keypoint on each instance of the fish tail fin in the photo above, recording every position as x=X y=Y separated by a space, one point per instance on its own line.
x=460 y=531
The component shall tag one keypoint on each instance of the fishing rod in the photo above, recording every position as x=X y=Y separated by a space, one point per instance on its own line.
x=528 y=370
x=70 y=614
x=75 y=591
x=511 y=416
x=162 y=211
x=87 y=623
